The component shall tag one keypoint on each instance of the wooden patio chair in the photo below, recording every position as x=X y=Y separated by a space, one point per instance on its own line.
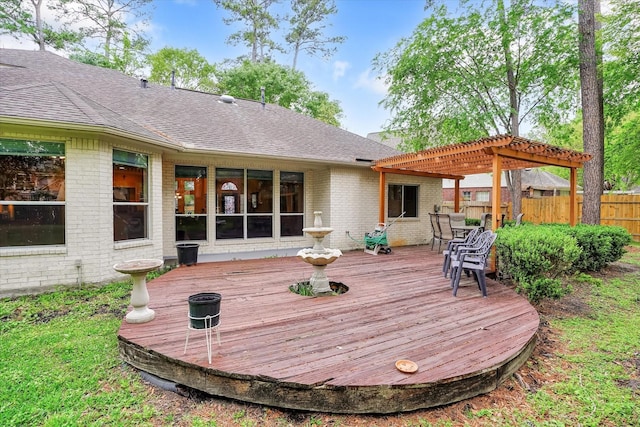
x=474 y=260
x=453 y=245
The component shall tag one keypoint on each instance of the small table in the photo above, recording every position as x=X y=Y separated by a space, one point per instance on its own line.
x=138 y=270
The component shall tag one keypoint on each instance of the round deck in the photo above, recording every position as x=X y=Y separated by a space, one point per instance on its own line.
x=336 y=354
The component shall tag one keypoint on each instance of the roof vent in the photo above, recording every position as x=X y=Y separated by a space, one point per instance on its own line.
x=227 y=99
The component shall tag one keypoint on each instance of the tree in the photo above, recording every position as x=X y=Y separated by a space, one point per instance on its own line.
x=622 y=169
x=283 y=86
x=259 y=24
x=592 y=108
x=107 y=20
x=621 y=34
x=16 y=19
x=192 y=71
x=483 y=72
x=127 y=57
x=306 y=32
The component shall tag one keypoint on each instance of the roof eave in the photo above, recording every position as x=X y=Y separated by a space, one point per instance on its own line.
x=91 y=129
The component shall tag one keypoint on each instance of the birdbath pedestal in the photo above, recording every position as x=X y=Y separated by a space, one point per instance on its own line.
x=138 y=270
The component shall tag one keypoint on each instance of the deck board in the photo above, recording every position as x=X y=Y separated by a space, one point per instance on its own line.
x=336 y=354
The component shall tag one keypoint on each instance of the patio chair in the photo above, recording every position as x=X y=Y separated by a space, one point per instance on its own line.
x=457 y=220
x=474 y=260
x=446 y=232
x=453 y=245
x=485 y=219
x=435 y=229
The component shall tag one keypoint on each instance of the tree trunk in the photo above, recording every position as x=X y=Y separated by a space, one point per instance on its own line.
x=514 y=178
x=37 y=4
x=592 y=109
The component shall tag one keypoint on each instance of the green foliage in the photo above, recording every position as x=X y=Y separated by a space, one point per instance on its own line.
x=258 y=23
x=192 y=71
x=621 y=149
x=536 y=258
x=306 y=28
x=17 y=19
x=600 y=244
x=449 y=80
x=283 y=86
x=621 y=33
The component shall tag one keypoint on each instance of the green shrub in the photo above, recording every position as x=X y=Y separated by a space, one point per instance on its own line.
x=536 y=258
x=600 y=244
x=472 y=221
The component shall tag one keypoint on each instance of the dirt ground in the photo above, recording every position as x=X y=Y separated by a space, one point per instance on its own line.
x=181 y=408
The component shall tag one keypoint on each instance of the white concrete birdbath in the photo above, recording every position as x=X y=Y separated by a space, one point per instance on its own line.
x=138 y=270
x=319 y=256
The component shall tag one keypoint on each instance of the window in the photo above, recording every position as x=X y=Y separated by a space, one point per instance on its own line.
x=466 y=195
x=191 y=202
x=130 y=203
x=32 y=197
x=402 y=198
x=482 y=196
x=291 y=203
x=244 y=203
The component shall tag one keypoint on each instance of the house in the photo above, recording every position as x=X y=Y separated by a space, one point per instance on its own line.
x=97 y=168
x=536 y=183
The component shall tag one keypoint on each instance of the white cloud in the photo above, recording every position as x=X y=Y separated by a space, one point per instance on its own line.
x=375 y=84
x=340 y=68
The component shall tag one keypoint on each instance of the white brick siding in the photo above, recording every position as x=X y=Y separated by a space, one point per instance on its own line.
x=347 y=196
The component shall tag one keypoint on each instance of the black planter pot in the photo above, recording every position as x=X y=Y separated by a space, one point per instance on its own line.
x=187 y=253
x=203 y=305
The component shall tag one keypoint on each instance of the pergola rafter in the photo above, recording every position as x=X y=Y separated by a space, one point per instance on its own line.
x=486 y=155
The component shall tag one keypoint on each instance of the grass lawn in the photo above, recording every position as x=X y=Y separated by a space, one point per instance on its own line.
x=59 y=366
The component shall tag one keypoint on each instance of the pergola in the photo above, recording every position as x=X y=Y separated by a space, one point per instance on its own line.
x=487 y=155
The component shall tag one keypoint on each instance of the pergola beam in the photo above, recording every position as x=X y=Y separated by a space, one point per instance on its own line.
x=416 y=173
x=531 y=157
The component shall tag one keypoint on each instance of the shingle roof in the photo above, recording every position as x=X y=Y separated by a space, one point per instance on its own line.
x=43 y=86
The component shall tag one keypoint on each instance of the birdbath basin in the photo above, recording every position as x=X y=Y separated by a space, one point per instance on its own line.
x=138 y=270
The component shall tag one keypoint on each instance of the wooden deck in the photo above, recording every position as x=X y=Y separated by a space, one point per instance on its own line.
x=336 y=354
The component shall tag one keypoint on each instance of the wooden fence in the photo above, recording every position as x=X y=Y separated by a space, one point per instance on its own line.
x=615 y=209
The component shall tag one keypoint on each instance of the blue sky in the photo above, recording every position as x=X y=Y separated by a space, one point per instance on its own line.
x=371 y=27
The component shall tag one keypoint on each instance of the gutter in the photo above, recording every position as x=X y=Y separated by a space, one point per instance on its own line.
x=92 y=129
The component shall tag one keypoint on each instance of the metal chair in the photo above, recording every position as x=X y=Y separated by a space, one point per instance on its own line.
x=474 y=260
x=453 y=245
x=435 y=229
x=446 y=231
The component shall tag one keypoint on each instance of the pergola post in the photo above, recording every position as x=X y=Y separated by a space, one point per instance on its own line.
x=456 y=196
x=381 y=198
x=495 y=205
x=495 y=194
x=573 y=200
